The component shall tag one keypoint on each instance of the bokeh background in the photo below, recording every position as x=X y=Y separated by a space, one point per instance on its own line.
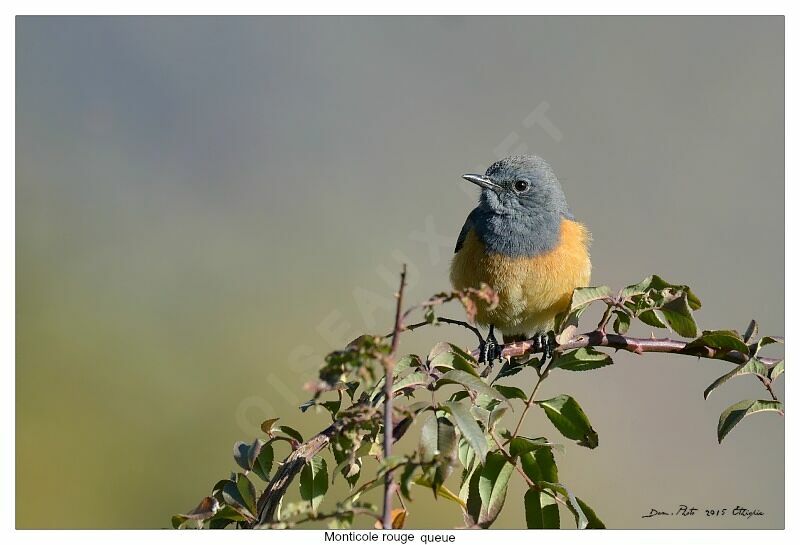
x=206 y=206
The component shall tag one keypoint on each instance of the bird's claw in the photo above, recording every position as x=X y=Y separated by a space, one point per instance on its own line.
x=546 y=343
x=490 y=349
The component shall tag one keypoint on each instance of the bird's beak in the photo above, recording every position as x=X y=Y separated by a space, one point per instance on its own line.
x=482 y=181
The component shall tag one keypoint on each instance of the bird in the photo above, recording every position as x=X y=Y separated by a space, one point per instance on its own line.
x=523 y=241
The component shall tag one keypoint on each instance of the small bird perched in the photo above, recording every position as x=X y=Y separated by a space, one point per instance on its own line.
x=523 y=241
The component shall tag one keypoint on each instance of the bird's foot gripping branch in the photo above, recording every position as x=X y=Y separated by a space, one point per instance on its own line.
x=459 y=437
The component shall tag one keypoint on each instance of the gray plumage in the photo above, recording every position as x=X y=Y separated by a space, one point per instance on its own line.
x=518 y=223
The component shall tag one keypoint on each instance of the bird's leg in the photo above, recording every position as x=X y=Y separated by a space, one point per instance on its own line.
x=490 y=350
x=546 y=342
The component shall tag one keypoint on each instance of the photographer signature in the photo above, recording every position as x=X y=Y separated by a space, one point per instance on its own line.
x=687 y=511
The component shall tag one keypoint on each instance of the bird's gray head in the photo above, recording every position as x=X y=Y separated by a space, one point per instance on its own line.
x=521 y=206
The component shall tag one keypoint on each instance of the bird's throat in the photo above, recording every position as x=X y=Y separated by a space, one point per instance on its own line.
x=519 y=235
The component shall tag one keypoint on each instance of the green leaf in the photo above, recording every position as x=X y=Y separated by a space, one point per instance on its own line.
x=465 y=454
x=268 y=425
x=351 y=387
x=510 y=368
x=314 y=481
x=493 y=486
x=481 y=415
x=254 y=451
x=417 y=407
x=449 y=356
x=406 y=478
x=459 y=395
x=583 y=297
x=240 y=454
x=247 y=491
x=751 y=331
x=440 y=491
x=568 y=418
x=752 y=367
x=402 y=427
x=495 y=416
x=520 y=445
x=622 y=322
x=446 y=439
x=410 y=361
x=333 y=406
x=262 y=465
x=438 y=348
x=206 y=509
x=652 y=319
x=661 y=304
x=581 y=519
x=637 y=289
x=417 y=378
x=476 y=384
x=348 y=449
x=736 y=412
x=541 y=510
x=470 y=495
x=776 y=370
x=469 y=428
x=720 y=340
x=291 y=432
x=430 y=316
x=582 y=359
x=657 y=284
x=678 y=315
x=764 y=341
x=241 y=495
x=225 y=516
x=216 y=490
x=540 y=465
x=511 y=392
x=428 y=440
x=594 y=521
x=579 y=302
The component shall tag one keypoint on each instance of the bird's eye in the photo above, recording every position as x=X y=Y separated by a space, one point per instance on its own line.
x=521 y=186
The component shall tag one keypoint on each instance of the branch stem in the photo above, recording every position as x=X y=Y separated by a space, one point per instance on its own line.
x=635 y=345
x=528 y=404
x=388 y=425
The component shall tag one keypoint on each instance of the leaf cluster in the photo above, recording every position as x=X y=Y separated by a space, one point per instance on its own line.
x=467 y=444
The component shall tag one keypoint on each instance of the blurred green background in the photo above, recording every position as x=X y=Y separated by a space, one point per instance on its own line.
x=206 y=206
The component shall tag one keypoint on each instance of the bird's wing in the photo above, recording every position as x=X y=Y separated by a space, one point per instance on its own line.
x=468 y=225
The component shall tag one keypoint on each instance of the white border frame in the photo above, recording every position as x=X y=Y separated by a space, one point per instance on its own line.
x=163 y=7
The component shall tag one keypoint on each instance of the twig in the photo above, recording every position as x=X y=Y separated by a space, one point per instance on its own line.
x=388 y=426
x=631 y=344
x=528 y=404
x=270 y=500
x=601 y=326
x=450 y=321
x=768 y=385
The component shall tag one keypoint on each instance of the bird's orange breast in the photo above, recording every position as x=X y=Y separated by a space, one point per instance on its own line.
x=532 y=290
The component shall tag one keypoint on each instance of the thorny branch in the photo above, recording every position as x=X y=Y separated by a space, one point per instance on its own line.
x=270 y=500
x=636 y=345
